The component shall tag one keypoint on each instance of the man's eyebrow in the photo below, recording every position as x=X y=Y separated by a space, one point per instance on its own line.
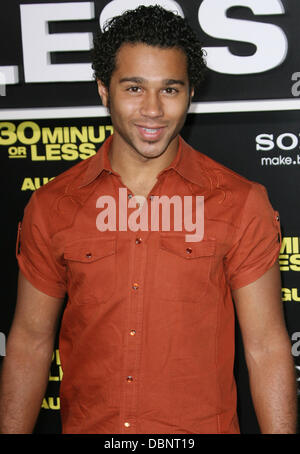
x=174 y=82
x=140 y=80
x=136 y=80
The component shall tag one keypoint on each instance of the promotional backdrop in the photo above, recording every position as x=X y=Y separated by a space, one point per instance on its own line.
x=246 y=116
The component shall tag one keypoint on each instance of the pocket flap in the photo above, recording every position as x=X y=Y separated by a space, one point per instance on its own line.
x=188 y=250
x=90 y=249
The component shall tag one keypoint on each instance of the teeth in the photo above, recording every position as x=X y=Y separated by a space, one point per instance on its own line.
x=150 y=130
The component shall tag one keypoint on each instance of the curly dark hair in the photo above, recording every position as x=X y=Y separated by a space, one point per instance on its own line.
x=151 y=25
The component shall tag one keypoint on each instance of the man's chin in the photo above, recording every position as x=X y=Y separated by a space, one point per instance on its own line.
x=153 y=149
x=152 y=152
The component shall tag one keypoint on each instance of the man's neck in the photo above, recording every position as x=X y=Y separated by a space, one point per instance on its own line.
x=137 y=172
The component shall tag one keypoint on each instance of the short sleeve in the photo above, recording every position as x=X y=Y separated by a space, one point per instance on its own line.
x=35 y=255
x=257 y=241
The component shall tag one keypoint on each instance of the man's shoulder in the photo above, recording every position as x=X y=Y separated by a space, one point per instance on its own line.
x=57 y=202
x=66 y=182
x=219 y=174
x=237 y=193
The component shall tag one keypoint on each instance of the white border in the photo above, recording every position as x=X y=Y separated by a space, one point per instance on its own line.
x=196 y=107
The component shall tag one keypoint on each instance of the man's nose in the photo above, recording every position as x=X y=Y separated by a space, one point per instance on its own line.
x=151 y=105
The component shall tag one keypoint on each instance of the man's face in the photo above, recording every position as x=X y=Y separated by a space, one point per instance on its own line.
x=148 y=98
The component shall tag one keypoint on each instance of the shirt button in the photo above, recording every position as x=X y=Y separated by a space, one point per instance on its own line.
x=129 y=379
x=132 y=332
x=189 y=250
x=135 y=286
x=88 y=255
x=138 y=240
x=127 y=424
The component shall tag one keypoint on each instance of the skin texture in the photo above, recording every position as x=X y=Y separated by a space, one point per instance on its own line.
x=29 y=349
x=142 y=93
x=268 y=353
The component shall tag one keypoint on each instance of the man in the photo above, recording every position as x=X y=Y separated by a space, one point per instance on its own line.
x=147 y=335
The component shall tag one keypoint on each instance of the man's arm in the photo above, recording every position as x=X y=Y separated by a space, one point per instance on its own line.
x=268 y=353
x=29 y=349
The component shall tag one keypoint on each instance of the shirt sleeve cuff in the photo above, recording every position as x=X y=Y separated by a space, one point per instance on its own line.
x=256 y=273
x=37 y=281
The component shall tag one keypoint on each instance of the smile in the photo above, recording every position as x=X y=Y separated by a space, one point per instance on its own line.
x=150 y=133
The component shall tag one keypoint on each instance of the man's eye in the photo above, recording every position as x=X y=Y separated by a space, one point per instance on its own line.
x=134 y=89
x=170 y=90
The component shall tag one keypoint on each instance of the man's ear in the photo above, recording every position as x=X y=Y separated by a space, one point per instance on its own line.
x=103 y=92
x=192 y=92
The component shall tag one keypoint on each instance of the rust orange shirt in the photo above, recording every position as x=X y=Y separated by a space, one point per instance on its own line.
x=147 y=335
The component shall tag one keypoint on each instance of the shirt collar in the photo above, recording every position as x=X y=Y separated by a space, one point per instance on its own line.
x=183 y=164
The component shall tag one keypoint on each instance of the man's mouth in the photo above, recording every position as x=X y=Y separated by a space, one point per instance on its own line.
x=151 y=130
x=150 y=133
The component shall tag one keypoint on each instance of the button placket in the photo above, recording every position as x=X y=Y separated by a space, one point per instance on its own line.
x=134 y=318
x=133 y=324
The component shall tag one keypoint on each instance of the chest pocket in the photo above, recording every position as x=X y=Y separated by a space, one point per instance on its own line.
x=183 y=269
x=91 y=264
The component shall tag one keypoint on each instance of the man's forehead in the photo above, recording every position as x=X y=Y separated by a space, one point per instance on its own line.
x=140 y=54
